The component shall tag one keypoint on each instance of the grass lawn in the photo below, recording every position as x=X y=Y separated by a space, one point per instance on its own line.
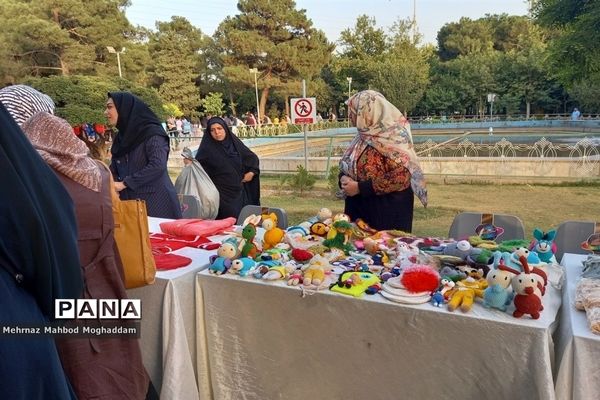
x=538 y=206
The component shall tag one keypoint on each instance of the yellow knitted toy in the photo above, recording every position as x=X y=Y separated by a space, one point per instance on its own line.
x=464 y=294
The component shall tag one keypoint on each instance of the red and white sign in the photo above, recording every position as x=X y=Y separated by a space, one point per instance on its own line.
x=304 y=110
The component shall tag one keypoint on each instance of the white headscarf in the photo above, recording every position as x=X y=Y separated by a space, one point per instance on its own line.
x=23 y=102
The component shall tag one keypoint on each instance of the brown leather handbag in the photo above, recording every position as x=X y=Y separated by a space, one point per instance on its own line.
x=133 y=240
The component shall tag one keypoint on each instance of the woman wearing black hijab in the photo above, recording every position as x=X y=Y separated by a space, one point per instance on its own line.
x=232 y=166
x=39 y=262
x=139 y=155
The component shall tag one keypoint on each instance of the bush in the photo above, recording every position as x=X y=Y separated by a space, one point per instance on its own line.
x=332 y=179
x=302 y=181
x=82 y=99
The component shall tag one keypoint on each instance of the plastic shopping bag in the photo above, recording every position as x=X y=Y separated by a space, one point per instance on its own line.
x=198 y=195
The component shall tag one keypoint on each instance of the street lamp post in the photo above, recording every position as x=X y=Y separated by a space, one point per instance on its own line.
x=118 y=53
x=255 y=72
x=491 y=97
x=349 y=79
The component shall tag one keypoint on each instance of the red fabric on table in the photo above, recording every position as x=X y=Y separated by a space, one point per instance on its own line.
x=165 y=243
x=197 y=227
x=170 y=261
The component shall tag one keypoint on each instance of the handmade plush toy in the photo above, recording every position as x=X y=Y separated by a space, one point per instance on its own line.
x=295 y=275
x=337 y=217
x=273 y=234
x=220 y=263
x=464 y=293
x=324 y=215
x=544 y=245
x=355 y=283
x=499 y=293
x=461 y=249
x=242 y=266
x=319 y=228
x=512 y=260
x=314 y=271
x=525 y=285
x=249 y=248
x=301 y=255
x=439 y=298
x=341 y=239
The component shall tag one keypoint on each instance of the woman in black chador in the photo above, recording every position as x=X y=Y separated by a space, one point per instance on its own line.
x=233 y=168
x=39 y=263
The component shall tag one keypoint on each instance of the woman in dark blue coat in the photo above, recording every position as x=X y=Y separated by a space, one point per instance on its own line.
x=139 y=155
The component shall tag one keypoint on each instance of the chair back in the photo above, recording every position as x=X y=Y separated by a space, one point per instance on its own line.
x=282 y=220
x=465 y=224
x=570 y=235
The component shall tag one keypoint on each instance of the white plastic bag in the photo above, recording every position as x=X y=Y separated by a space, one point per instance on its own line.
x=198 y=195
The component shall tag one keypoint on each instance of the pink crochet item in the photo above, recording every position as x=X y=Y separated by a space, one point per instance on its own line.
x=197 y=227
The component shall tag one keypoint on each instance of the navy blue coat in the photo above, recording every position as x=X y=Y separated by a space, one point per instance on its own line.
x=144 y=171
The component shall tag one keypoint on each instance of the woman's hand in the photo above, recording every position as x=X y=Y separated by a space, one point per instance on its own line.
x=248 y=177
x=349 y=186
x=119 y=186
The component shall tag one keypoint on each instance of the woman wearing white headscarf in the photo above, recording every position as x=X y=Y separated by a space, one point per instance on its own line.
x=380 y=172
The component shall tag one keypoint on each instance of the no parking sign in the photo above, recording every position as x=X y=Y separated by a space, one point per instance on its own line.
x=304 y=110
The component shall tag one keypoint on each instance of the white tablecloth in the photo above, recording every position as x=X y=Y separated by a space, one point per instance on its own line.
x=578 y=349
x=168 y=328
x=259 y=340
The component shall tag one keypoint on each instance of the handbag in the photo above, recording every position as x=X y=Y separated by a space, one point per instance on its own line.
x=133 y=240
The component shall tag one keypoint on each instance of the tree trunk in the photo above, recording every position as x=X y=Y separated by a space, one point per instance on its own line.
x=528 y=110
x=263 y=101
x=232 y=104
x=287 y=106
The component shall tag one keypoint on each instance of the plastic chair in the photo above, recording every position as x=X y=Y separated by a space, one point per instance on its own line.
x=282 y=220
x=570 y=235
x=464 y=225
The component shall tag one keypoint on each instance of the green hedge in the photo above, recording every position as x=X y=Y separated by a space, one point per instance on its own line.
x=81 y=99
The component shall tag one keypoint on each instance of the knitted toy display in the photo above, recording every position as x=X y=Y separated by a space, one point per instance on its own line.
x=351 y=258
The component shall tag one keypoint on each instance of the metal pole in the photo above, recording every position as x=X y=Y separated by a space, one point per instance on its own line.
x=304 y=128
x=256 y=90
x=348 y=110
x=119 y=63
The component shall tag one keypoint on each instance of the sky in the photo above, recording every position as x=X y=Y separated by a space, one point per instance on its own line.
x=331 y=16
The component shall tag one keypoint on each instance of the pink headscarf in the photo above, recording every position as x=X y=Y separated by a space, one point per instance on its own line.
x=53 y=139
x=382 y=126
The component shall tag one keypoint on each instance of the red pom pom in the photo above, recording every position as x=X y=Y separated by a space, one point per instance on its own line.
x=301 y=255
x=420 y=278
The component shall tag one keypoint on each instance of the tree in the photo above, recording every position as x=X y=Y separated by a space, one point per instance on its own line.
x=213 y=104
x=361 y=47
x=463 y=38
x=402 y=74
x=48 y=37
x=175 y=51
x=277 y=39
x=573 y=50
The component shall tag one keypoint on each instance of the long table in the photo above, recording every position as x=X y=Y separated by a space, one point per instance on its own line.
x=578 y=349
x=265 y=340
x=168 y=327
